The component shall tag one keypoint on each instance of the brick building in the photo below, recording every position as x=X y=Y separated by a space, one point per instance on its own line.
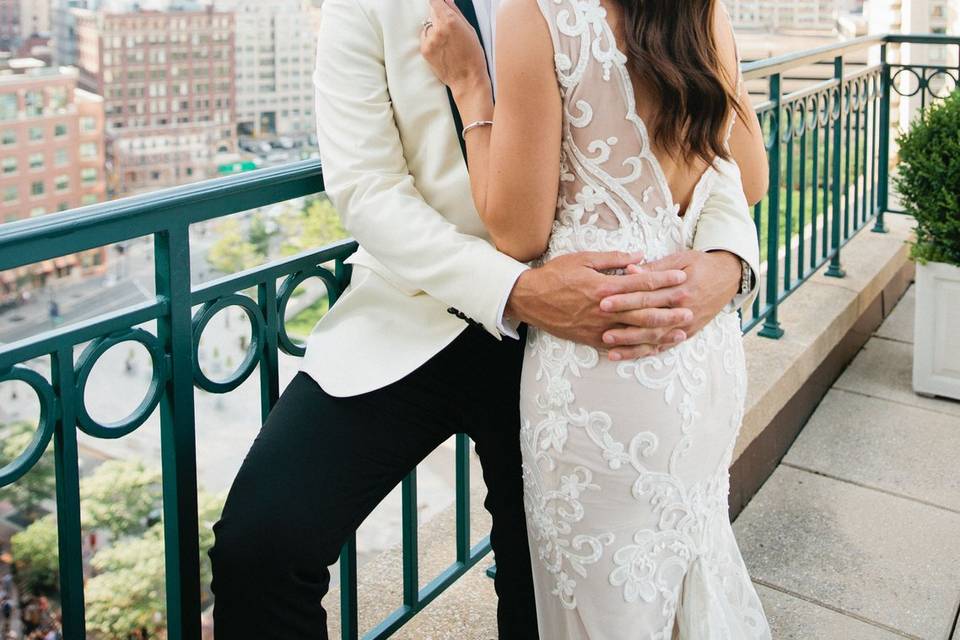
x=167 y=81
x=51 y=154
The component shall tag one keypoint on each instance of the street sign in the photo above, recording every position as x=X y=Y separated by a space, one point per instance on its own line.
x=236 y=167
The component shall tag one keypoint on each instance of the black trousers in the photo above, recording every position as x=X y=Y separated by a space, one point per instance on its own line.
x=321 y=464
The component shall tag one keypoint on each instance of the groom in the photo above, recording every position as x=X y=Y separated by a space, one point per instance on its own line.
x=425 y=343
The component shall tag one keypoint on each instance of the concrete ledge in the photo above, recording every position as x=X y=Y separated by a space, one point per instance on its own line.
x=827 y=321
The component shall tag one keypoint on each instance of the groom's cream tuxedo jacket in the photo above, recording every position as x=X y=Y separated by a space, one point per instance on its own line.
x=394 y=169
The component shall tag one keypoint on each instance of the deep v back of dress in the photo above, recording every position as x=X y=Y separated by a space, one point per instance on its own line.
x=626 y=465
x=614 y=194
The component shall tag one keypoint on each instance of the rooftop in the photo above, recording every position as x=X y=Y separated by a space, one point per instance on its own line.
x=852 y=534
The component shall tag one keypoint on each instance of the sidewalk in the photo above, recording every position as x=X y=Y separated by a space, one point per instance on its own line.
x=855 y=536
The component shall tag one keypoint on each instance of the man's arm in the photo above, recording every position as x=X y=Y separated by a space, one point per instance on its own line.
x=726 y=225
x=370 y=184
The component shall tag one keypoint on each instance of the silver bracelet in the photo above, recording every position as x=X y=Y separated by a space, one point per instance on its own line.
x=475 y=125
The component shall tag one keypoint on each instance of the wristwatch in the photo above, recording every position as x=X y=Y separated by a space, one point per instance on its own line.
x=746 y=277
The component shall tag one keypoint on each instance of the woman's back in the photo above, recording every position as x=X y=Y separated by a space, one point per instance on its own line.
x=682 y=173
x=618 y=190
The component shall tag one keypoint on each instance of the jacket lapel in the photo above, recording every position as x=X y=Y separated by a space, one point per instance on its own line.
x=470 y=13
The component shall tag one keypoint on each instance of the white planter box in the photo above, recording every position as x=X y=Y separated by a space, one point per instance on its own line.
x=936 y=357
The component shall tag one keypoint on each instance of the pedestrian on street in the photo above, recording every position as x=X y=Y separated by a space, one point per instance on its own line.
x=7 y=610
x=54 y=312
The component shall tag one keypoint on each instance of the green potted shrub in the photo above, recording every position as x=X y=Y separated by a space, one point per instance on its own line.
x=929 y=185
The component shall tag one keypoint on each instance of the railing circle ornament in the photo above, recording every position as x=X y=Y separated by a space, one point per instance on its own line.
x=283 y=299
x=252 y=357
x=896 y=81
x=88 y=360
x=811 y=112
x=22 y=464
x=800 y=118
x=946 y=86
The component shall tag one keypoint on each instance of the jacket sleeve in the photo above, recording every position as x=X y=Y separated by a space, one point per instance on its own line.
x=726 y=225
x=368 y=180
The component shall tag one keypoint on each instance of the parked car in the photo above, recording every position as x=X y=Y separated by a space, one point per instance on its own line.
x=278 y=157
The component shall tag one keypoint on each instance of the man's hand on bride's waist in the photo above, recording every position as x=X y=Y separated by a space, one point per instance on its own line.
x=564 y=297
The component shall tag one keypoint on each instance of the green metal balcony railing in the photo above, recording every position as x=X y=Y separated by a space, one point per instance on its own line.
x=829 y=145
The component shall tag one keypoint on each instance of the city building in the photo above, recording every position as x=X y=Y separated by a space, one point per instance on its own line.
x=167 y=79
x=774 y=15
x=916 y=16
x=274 y=59
x=34 y=17
x=51 y=154
x=63 y=31
x=9 y=25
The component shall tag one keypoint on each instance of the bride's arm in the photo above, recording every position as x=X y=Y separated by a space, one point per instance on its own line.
x=515 y=163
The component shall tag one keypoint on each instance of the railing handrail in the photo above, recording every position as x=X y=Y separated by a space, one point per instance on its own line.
x=769 y=66
x=35 y=239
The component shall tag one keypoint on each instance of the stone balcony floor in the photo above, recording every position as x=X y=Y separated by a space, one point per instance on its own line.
x=856 y=535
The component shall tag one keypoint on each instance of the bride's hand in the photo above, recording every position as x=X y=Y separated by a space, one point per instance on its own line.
x=451 y=47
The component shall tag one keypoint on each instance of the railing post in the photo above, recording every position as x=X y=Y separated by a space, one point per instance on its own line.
x=178 y=437
x=349 y=619
x=771 y=325
x=66 y=457
x=883 y=174
x=835 y=271
x=463 y=497
x=411 y=549
x=269 y=350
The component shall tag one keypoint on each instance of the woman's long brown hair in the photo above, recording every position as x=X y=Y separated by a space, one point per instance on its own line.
x=672 y=50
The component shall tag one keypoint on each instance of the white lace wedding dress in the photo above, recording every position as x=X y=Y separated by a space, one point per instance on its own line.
x=626 y=464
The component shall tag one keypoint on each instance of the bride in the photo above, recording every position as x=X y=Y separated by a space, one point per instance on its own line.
x=615 y=121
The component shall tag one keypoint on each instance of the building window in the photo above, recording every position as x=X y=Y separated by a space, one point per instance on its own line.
x=57 y=98
x=59 y=130
x=34 y=104
x=88 y=124
x=88 y=150
x=37 y=211
x=36 y=161
x=37 y=188
x=61 y=183
x=63 y=206
x=88 y=198
x=9 y=165
x=10 y=194
x=60 y=157
x=8 y=106
x=36 y=133
x=88 y=175
x=8 y=137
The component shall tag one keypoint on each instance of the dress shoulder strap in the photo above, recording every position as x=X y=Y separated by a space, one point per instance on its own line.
x=569 y=27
